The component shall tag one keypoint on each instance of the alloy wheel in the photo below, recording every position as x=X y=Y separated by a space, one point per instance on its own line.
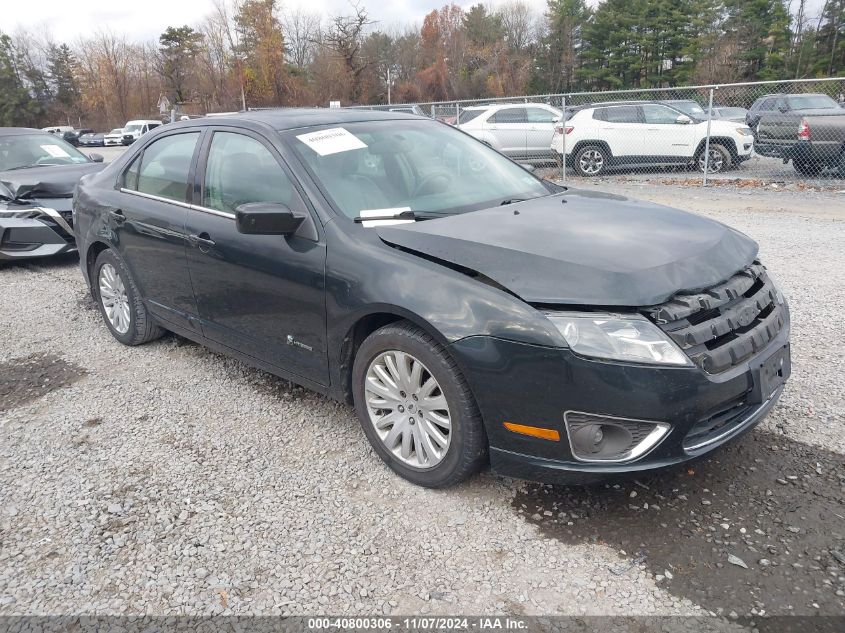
x=591 y=162
x=716 y=162
x=408 y=409
x=114 y=298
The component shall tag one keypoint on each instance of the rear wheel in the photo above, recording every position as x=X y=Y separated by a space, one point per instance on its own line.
x=120 y=303
x=591 y=160
x=807 y=168
x=415 y=407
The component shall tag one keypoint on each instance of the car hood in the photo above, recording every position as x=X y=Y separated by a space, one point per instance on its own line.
x=46 y=182
x=583 y=248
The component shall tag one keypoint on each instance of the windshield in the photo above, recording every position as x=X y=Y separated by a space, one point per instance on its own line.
x=25 y=150
x=689 y=107
x=117 y=130
x=812 y=102
x=731 y=112
x=132 y=128
x=420 y=166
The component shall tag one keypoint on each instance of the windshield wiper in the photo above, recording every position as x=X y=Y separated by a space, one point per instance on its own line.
x=511 y=201
x=405 y=215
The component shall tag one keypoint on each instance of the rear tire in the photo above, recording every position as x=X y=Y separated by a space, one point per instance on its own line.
x=397 y=359
x=119 y=301
x=808 y=168
x=591 y=160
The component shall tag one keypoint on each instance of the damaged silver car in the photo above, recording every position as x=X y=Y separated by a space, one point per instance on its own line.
x=38 y=173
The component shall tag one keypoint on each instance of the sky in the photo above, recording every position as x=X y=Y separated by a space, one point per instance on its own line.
x=146 y=20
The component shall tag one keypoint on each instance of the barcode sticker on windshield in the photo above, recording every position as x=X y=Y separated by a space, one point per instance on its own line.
x=55 y=151
x=332 y=141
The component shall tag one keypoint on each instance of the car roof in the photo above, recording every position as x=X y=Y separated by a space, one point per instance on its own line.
x=14 y=131
x=293 y=118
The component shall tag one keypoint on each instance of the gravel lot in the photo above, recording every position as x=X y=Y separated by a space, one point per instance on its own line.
x=168 y=479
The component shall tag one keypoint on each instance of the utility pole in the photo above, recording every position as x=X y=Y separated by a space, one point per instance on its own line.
x=388 y=84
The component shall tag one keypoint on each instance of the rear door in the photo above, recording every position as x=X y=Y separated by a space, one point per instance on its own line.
x=623 y=129
x=509 y=126
x=148 y=223
x=263 y=295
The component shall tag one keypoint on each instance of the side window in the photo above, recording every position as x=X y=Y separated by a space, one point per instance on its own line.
x=540 y=115
x=768 y=104
x=130 y=176
x=658 y=114
x=165 y=165
x=509 y=115
x=241 y=170
x=623 y=114
x=781 y=104
x=600 y=114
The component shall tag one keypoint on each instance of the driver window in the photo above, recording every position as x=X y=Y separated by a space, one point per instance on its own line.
x=658 y=114
x=240 y=170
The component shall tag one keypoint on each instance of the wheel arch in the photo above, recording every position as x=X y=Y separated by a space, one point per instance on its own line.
x=94 y=250
x=364 y=325
x=728 y=143
x=582 y=144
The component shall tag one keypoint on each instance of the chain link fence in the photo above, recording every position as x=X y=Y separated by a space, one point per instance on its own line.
x=769 y=132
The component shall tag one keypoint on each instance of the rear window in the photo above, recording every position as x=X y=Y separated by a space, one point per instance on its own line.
x=812 y=102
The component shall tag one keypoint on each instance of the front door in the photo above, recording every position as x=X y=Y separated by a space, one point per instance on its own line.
x=667 y=139
x=541 y=129
x=263 y=295
x=148 y=224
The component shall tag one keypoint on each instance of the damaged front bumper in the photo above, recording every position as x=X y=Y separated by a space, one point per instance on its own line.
x=37 y=231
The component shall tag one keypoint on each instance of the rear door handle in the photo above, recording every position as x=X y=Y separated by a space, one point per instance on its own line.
x=117 y=216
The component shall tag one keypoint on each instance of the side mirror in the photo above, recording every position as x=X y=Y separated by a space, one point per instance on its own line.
x=683 y=119
x=266 y=218
x=783 y=109
x=97 y=158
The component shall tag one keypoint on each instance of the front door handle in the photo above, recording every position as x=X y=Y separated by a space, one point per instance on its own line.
x=117 y=216
x=202 y=241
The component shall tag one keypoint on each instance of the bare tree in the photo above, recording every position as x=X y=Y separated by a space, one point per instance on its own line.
x=302 y=35
x=518 y=24
x=344 y=38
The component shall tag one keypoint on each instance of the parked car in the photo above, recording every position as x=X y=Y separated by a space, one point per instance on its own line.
x=522 y=131
x=115 y=137
x=92 y=139
x=59 y=130
x=408 y=108
x=133 y=130
x=72 y=137
x=725 y=113
x=794 y=104
x=467 y=308
x=689 y=107
x=38 y=172
x=637 y=133
x=811 y=141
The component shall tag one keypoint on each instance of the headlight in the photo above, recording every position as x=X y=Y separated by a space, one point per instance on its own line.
x=631 y=338
x=744 y=131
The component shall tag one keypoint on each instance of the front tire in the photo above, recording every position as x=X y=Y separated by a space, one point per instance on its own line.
x=591 y=160
x=415 y=407
x=117 y=296
x=720 y=159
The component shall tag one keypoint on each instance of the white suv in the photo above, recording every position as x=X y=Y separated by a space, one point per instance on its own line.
x=522 y=131
x=599 y=136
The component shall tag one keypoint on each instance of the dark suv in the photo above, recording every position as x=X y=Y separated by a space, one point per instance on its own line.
x=793 y=103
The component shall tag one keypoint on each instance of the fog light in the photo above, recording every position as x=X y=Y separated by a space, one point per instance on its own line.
x=599 y=438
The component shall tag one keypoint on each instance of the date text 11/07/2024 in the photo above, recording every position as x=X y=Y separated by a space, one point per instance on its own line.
x=492 y=623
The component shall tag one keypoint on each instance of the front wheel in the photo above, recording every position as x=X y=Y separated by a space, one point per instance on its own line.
x=416 y=409
x=720 y=159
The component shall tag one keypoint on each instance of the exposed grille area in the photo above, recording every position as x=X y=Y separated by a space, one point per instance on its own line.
x=725 y=324
x=731 y=416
